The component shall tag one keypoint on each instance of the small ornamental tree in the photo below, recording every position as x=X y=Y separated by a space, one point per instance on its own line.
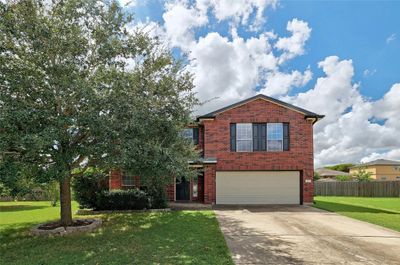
x=363 y=175
x=78 y=89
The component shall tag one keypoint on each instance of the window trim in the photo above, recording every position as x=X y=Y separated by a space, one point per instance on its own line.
x=249 y=139
x=281 y=127
x=284 y=137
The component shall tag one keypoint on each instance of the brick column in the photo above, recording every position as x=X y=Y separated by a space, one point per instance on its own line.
x=308 y=186
x=209 y=184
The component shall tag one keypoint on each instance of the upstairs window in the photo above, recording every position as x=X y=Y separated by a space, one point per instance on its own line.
x=274 y=137
x=244 y=137
x=249 y=137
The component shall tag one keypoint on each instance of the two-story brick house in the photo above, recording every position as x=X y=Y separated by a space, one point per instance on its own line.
x=256 y=151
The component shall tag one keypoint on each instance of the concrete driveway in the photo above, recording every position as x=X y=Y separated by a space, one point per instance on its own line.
x=304 y=235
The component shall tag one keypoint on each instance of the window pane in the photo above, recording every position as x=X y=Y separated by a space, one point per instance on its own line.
x=275 y=145
x=244 y=137
x=128 y=180
x=187 y=133
x=274 y=136
x=195 y=188
x=244 y=145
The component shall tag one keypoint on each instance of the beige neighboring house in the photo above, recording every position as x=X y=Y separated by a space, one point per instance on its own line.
x=381 y=169
x=327 y=174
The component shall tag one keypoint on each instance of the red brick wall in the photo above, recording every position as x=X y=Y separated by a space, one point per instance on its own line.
x=115 y=180
x=115 y=183
x=299 y=157
x=201 y=137
x=171 y=191
x=209 y=183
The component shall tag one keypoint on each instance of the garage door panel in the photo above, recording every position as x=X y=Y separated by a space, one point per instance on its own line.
x=258 y=187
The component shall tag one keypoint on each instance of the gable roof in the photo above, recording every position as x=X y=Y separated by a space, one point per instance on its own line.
x=381 y=162
x=308 y=114
x=326 y=172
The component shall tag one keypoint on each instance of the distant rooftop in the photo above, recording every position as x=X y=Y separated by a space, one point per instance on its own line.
x=325 y=172
x=381 y=162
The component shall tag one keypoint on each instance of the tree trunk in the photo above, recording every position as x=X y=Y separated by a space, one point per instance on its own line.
x=65 y=201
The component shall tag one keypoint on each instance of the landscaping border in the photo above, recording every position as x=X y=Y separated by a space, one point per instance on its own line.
x=94 y=212
x=61 y=231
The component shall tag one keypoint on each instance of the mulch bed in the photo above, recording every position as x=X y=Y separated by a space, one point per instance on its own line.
x=54 y=225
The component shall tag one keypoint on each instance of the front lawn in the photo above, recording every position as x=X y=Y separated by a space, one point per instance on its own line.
x=184 y=237
x=380 y=211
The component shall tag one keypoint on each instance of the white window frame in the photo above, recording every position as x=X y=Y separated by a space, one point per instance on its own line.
x=273 y=134
x=244 y=137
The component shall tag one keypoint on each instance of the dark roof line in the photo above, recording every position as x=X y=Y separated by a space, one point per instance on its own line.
x=381 y=162
x=307 y=113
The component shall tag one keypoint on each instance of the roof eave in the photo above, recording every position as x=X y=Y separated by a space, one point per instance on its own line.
x=306 y=113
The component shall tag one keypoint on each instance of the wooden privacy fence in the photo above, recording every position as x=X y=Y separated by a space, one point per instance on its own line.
x=355 y=188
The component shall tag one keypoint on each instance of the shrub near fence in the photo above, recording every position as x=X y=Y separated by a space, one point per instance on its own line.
x=358 y=189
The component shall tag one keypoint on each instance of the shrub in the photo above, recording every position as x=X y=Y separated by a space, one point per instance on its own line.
x=343 y=178
x=132 y=199
x=363 y=175
x=87 y=186
x=158 y=197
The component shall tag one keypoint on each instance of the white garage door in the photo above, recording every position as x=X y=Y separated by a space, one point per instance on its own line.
x=258 y=187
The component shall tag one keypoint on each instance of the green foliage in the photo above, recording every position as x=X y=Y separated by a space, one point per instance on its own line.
x=316 y=176
x=87 y=186
x=132 y=199
x=343 y=178
x=72 y=98
x=341 y=167
x=363 y=175
x=157 y=194
x=4 y=190
x=53 y=192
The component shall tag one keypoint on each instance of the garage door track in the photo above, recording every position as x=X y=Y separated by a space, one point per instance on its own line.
x=304 y=235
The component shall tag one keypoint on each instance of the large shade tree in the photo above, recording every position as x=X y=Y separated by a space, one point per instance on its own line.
x=80 y=88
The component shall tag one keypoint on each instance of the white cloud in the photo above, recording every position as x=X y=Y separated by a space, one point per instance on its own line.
x=279 y=83
x=294 y=45
x=368 y=72
x=393 y=154
x=239 y=10
x=180 y=20
x=347 y=134
x=391 y=38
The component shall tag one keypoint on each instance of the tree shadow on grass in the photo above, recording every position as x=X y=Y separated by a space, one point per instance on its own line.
x=135 y=238
x=20 y=207
x=339 y=207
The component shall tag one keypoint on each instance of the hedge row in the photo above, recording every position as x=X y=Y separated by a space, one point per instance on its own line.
x=132 y=199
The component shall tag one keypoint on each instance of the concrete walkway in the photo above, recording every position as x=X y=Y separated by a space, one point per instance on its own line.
x=305 y=235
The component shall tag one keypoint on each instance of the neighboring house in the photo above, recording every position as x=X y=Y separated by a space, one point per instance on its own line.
x=329 y=173
x=256 y=151
x=381 y=169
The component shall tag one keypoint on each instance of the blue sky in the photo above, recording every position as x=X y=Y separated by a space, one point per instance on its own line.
x=337 y=58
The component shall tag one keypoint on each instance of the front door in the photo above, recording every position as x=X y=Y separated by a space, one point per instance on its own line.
x=182 y=189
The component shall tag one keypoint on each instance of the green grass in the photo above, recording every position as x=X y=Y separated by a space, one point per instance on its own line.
x=184 y=237
x=381 y=211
